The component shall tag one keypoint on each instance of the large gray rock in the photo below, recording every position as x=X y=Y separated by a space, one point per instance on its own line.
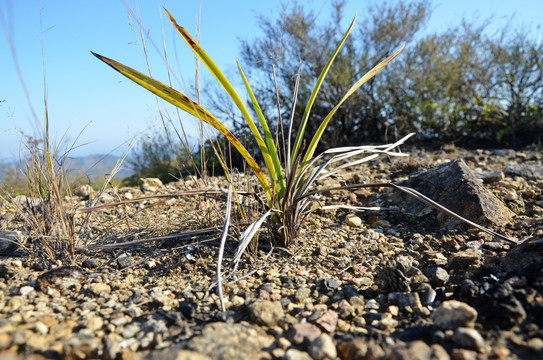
x=454 y=186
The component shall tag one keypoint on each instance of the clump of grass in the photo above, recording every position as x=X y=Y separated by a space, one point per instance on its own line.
x=290 y=175
x=56 y=228
x=292 y=167
x=46 y=210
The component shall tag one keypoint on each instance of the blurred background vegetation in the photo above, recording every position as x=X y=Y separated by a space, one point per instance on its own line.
x=472 y=84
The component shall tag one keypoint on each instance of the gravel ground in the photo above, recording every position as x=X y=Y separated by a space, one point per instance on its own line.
x=397 y=284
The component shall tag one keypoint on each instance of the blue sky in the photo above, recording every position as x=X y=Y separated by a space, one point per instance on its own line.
x=85 y=96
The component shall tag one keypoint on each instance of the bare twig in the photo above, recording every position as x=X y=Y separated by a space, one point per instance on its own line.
x=187 y=234
x=208 y=190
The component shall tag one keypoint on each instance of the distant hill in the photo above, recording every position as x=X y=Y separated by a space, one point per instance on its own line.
x=96 y=164
x=92 y=165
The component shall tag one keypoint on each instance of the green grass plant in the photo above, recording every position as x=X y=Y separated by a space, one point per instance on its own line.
x=286 y=181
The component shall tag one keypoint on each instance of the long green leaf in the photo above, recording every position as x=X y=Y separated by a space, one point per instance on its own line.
x=184 y=103
x=305 y=118
x=214 y=69
x=318 y=134
x=267 y=134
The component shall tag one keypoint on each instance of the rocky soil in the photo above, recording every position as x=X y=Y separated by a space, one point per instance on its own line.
x=403 y=283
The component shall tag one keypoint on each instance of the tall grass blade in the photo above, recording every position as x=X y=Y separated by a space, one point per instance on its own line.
x=318 y=134
x=305 y=117
x=247 y=235
x=217 y=73
x=276 y=173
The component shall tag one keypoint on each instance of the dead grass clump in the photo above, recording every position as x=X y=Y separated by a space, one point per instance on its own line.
x=46 y=210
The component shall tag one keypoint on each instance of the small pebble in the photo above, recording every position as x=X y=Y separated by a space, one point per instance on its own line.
x=302 y=333
x=535 y=345
x=90 y=264
x=265 y=312
x=468 y=338
x=439 y=277
x=26 y=290
x=330 y=284
x=328 y=321
x=301 y=295
x=372 y=304
x=124 y=261
x=130 y=330
x=452 y=314
x=100 y=289
x=295 y=354
x=353 y=221
x=322 y=348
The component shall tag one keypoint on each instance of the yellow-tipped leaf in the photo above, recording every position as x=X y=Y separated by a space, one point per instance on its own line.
x=185 y=103
x=215 y=71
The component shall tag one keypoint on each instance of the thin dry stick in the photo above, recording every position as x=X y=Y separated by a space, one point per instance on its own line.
x=183 y=140
x=221 y=248
x=146 y=56
x=187 y=234
x=6 y=27
x=208 y=190
x=197 y=83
